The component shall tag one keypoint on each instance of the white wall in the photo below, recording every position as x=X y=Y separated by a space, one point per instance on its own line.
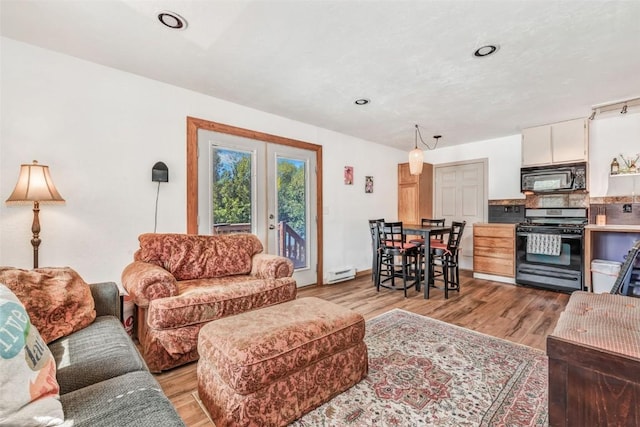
x=101 y=130
x=609 y=136
x=503 y=156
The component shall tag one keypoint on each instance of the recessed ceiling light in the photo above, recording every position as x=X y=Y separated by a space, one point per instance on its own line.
x=362 y=101
x=486 y=50
x=172 y=20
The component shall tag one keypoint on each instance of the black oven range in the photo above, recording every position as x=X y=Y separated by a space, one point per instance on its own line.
x=550 y=249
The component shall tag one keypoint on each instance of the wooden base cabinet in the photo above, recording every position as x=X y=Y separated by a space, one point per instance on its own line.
x=494 y=249
x=415 y=194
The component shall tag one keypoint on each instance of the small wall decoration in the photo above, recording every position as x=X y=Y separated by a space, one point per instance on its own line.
x=348 y=175
x=368 y=184
x=629 y=164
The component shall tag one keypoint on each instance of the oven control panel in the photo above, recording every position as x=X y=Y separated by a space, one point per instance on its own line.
x=573 y=230
x=550 y=229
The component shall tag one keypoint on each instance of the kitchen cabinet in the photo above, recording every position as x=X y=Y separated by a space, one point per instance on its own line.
x=415 y=194
x=564 y=142
x=494 y=250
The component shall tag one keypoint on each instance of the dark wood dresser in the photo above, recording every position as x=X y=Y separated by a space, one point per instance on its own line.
x=594 y=362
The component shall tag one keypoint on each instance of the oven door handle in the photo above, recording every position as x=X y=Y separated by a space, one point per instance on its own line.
x=564 y=236
x=539 y=273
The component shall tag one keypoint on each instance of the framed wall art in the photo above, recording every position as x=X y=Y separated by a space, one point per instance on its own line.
x=348 y=175
x=368 y=184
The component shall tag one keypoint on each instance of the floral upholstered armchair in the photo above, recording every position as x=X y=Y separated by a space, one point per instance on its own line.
x=180 y=282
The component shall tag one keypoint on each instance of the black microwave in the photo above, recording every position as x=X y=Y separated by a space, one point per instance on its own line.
x=554 y=178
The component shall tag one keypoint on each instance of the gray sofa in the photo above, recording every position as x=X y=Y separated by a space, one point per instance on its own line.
x=103 y=379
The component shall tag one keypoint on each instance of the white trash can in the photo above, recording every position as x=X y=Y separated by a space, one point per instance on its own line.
x=603 y=275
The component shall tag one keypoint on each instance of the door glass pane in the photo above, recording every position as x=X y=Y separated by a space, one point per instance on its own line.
x=231 y=191
x=292 y=210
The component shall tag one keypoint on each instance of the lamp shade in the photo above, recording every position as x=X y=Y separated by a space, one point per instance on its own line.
x=34 y=185
x=416 y=159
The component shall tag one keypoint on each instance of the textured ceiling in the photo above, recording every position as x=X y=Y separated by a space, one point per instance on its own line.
x=309 y=60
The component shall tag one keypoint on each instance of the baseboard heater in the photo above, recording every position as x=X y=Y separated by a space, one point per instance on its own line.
x=341 y=274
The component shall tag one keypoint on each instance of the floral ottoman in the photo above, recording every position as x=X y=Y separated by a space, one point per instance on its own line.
x=270 y=366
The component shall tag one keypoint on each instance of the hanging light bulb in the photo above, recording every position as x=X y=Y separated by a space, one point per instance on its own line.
x=416 y=160
x=416 y=157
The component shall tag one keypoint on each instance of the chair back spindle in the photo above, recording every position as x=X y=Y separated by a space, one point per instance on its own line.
x=375 y=246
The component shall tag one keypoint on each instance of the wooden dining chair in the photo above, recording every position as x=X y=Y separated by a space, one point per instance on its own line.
x=445 y=257
x=429 y=222
x=437 y=238
x=397 y=258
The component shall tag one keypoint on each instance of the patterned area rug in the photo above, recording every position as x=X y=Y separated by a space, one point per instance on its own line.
x=423 y=372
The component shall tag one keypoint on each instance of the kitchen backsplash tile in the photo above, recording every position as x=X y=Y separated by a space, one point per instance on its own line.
x=571 y=200
x=615 y=199
x=616 y=208
x=506 y=213
x=502 y=202
x=616 y=213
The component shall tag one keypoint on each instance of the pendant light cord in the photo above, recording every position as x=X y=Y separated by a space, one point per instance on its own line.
x=418 y=134
x=155 y=224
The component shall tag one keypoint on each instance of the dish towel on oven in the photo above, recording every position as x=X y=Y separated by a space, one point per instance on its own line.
x=544 y=244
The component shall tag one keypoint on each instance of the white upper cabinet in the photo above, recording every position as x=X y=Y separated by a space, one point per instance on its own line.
x=536 y=146
x=564 y=142
x=570 y=141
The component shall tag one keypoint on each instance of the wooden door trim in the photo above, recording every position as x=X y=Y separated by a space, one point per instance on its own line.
x=194 y=124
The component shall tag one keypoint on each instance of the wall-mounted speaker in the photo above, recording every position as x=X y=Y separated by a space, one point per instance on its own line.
x=160 y=173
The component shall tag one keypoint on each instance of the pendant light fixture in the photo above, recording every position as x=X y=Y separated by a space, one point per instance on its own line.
x=416 y=156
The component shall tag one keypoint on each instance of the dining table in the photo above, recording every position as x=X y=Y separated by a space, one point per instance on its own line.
x=425 y=231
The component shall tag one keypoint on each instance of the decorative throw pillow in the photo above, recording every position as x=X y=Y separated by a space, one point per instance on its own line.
x=29 y=392
x=58 y=301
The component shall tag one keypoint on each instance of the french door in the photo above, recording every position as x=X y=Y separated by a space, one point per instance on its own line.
x=247 y=185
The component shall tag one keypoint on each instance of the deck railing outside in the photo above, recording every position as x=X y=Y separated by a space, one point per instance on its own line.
x=290 y=243
x=228 y=228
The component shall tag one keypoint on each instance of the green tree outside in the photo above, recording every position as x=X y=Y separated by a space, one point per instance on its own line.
x=291 y=194
x=231 y=190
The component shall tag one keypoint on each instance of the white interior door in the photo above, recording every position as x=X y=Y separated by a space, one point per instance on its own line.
x=246 y=185
x=460 y=195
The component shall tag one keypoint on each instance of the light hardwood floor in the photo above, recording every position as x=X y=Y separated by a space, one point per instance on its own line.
x=518 y=314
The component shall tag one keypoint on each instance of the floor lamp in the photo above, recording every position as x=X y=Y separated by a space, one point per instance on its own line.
x=35 y=185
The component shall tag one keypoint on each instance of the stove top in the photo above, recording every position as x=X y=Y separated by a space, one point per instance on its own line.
x=556 y=217
x=554 y=220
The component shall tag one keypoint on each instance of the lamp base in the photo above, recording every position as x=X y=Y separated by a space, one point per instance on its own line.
x=35 y=229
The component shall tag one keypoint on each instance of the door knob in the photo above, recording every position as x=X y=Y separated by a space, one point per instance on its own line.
x=271 y=227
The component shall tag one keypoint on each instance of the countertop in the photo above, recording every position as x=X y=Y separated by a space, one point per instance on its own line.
x=497 y=224
x=613 y=227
